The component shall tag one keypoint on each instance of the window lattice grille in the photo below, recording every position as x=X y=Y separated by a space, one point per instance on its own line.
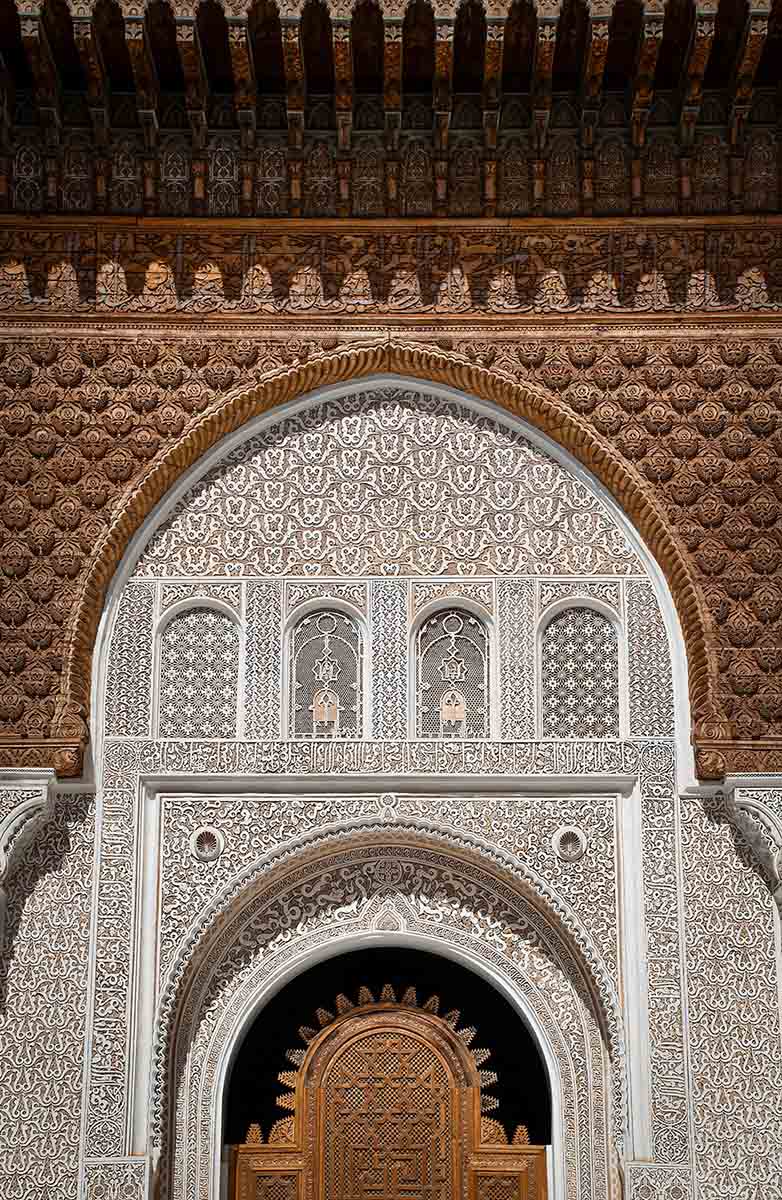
x=580 y=676
x=325 y=676
x=453 y=676
x=199 y=672
x=275 y=1186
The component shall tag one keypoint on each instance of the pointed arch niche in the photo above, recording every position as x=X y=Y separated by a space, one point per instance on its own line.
x=239 y=861
x=386 y=496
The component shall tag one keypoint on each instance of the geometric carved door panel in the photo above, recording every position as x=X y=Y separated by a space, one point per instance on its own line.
x=387 y=1120
x=386 y=1104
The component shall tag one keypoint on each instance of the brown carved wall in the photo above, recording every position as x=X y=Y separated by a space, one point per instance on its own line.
x=652 y=352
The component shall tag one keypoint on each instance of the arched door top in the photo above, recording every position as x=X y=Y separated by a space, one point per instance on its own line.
x=387 y=1104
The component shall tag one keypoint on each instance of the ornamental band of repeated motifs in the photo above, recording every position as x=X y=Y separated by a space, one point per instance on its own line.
x=432 y=894
x=115 y=1181
x=92 y=270
x=131 y=652
x=342 y=10
x=697 y=419
x=644 y=1182
x=43 y=995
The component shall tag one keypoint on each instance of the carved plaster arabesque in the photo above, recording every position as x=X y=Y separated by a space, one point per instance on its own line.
x=234 y=1004
x=25 y=807
x=757 y=811
x=726 y=378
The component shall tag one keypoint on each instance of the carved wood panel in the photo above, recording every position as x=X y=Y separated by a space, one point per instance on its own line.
x=387 y=1121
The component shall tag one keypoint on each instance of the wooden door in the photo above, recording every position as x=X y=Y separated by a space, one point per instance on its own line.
x=386 y=1105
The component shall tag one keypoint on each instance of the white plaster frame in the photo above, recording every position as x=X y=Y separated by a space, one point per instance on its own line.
x=337 y=835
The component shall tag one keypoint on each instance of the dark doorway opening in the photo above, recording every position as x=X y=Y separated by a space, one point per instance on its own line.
x=522 y=1088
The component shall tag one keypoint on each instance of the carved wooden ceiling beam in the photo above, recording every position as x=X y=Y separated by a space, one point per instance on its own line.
x=597 y=52
x=591 y=94
x=755 y=36
x=342 y=52
x=142 y=64
x=492 y=81
x=643 y=80
x=542 y=72
x=194 y=73
x=46 y=84
x=98 y=89
x=392 y=105
x=442 y=96
x=695 y=68
x=543 y=68
x=245 y=92
x=293 y=61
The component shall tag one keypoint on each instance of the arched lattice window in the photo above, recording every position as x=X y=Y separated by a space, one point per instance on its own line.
x=325 y=676
x=126 y=175
x=28 y=178
x=223 y=157
x=580 y=676
x=175 y=178
x=452 y=685
x=199 y=676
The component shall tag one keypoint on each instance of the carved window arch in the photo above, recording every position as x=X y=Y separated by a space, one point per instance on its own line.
x=223 y=177
x=761 y=183
x=579 y=675
x=126 y=181
x=198 y=675
x=271 y=189
x=465 y=182
x=612 y=177
x=710 y=185
x=325 y=694
x=77 y=175
x=320 y=181
x=368 y=190
x=562 y=177
x=28 y=178
x=417 y=183
x=661 y=180
x=452 y=656
x=175 y=178
x=513 y=192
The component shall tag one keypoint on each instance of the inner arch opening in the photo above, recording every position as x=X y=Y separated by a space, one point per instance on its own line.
x=522 y=1087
